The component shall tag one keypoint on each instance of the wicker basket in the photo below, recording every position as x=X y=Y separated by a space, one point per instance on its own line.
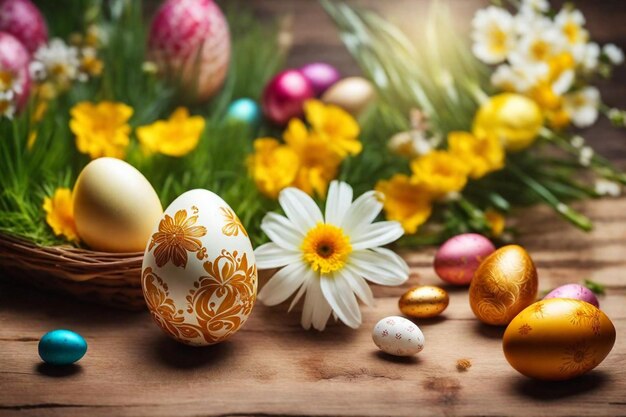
x=107 y=278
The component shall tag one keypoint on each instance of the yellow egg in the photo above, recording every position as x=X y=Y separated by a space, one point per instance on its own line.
x=353 y=94
x=423 y=302
x=115 y=207
x=503 y=285
x=558 y=339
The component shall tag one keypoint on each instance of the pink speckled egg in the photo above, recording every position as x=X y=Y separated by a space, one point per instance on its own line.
x=14 y=60
x=458 y=258
x=574 y=291
x=22 y=19
x=190 y=42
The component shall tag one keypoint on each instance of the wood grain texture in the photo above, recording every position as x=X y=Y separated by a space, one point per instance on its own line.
x=273 y=367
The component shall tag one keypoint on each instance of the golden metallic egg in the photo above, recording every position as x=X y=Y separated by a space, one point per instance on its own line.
x=558 y=339
x=503 y=285
x=423 y=302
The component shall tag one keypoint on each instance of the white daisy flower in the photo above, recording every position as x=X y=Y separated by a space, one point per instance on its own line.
x=582 y=106
x=7 y=104
x=493 y=34
x=520 y=78
x=614 y=54
x=57 y=61
x=571 y=22
x=539 y=45
x=327 y=256
x=587 y=56
x=538 y=6
x=608 y=188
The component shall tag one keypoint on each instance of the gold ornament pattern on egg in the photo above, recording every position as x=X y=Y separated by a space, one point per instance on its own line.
x=503 y=285
x=220 y=301
x=176 y=237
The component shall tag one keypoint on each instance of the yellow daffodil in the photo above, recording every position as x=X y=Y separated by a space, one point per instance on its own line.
x=272 y=166
x=405 y=201
x=101 y=129
x=336 y=125
x=483 y=155
x=514 y=119
x=176 y=136
x=60 y=214
x=319 y=162
x=496 y=221
x=440 y=172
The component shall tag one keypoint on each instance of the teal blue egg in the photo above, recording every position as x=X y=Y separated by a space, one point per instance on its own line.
x=244 y=110
x=62 y=347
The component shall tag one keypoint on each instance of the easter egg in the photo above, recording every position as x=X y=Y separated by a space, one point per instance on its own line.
x=503 y=285
x=321 y=76
x=423 y=302
x=199 y=275
x=398 y=336
x=189 y=41
x=353 y=94
x=14 y=75
x=558 y=339
x=244 y=110
x=62 y=347
x=115 y=207
x=284 y=96
x=22 y=19
x=574 y=291
x=459 y=257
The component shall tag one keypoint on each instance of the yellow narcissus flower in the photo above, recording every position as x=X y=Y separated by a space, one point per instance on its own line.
x=101 y=129
x=496 y=221
x=482 y=155
x=405 y=201
x=440 y=172
x=318 y=160
x=272 y=166
x=60 y=214
x=336 y=125
x=514 y=119
x=176 y=136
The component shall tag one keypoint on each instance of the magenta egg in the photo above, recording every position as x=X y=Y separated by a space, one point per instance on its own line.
x=190 y=43
x=22 y=19
x=459 y=257
x=321 y=76
x=575 y=291
x=14 y=61
x=284 y=96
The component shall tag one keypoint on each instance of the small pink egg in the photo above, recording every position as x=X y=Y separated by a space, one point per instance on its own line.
x=575 y=291
x=458 y=258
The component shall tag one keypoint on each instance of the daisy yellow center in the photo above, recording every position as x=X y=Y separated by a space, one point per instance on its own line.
x=6 y=80
x=571 y=30
x=540 y=50
x=498 y=40
x=326 y=248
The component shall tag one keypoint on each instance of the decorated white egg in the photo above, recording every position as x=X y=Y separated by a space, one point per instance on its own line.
x=199 y=275
x=398 y=336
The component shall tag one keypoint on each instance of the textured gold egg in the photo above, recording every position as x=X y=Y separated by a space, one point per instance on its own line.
x=423 y=302
x=558 y=339
x=503 y=285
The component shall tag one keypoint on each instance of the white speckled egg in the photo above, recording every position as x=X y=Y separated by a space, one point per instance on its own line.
x=199 y=275
x=398 y=336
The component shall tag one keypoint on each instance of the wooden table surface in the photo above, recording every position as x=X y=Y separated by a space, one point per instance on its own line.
x=273 y=367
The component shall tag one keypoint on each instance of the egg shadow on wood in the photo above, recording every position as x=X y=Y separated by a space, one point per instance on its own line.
x=489 y=331
x=428 y=321
x=412 y=360
x=58 y=371
x=176 y=355
x=557 y=390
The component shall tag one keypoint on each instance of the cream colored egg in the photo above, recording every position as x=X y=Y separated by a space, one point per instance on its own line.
x=199 y=275
x=353 y=94
x=398 y=336
x=115 y=207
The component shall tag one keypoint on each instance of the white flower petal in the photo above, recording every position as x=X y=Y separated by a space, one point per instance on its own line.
x=309 y=275
x=381 y=266
x=361 y=213
x=359 y=286
x=316 y=309
x=376 y=234
x=300 y=209
x=341 y=298
x=338 y=202
x=270 y=255
x=281 y=231
x=283 y=284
